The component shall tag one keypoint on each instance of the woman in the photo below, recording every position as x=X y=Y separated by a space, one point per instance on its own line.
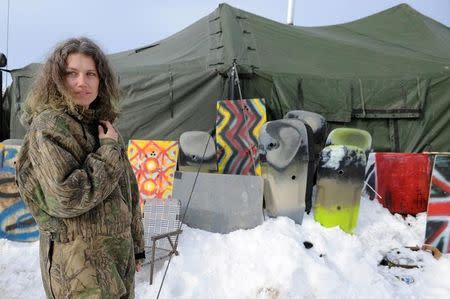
x=75 y=177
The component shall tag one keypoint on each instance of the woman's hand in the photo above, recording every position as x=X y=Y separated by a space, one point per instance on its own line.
x=106 y=130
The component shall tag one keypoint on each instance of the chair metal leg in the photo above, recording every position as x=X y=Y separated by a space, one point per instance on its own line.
x=152 y=261
x=155 y=211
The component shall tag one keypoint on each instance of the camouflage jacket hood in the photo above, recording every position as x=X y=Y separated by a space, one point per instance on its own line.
x=75 y=184
x=94 y=114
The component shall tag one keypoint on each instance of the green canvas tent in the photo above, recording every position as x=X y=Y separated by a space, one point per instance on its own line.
x=388 y=73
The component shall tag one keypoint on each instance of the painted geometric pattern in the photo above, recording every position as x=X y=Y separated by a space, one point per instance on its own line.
x=9 y=157
x=237 y=129
x=154 y=163
x=438 y=214
x=16 y=222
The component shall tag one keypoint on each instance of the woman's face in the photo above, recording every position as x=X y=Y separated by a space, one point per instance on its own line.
x=81 y=79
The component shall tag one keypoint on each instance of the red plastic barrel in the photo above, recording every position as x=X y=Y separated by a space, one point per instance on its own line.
x=403 y=181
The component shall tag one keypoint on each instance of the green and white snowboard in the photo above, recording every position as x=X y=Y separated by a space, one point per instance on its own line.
x=340 y=178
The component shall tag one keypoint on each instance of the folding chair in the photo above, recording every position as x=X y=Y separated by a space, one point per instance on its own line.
x=161 y=229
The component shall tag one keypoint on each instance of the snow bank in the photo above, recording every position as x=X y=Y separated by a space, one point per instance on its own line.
x=270 y=261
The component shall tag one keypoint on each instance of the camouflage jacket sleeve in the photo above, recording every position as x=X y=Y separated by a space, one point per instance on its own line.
x=137 y=228
x=71 y=182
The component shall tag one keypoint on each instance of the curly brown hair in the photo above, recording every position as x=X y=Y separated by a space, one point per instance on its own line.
x=50 y=92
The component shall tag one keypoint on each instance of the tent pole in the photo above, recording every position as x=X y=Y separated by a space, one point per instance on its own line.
x=3 y=62
x=1 y=106
x=1 y=88
x=290 y=13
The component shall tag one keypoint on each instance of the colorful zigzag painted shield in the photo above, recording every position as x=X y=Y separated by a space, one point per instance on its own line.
x=237 y=129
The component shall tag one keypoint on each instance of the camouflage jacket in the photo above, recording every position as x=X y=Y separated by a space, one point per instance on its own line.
x=75 y=184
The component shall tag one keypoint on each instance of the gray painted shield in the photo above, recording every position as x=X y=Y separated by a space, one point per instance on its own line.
x=220 y=203
x=197 y=148
x=284 y=143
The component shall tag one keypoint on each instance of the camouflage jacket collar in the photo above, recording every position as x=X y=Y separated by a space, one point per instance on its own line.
x=84 y=115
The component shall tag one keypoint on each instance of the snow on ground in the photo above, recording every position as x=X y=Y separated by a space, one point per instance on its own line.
x=270 y=261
